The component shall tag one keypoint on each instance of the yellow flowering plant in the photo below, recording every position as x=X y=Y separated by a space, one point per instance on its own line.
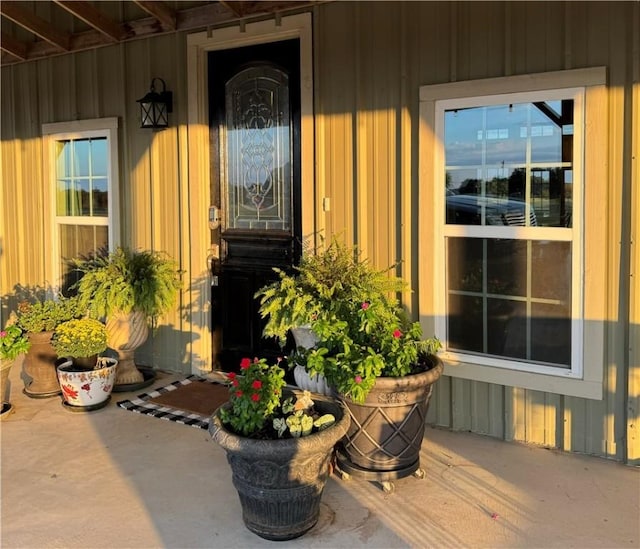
x=83 y=337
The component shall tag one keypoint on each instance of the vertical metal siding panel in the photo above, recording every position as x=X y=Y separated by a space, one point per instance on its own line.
x=461 y=405
x=335 y=114
x=28 y=176
x=440 y=404
x=138 y=193
x=619 y=204
x=633 y=386
x=515 y=414
x=479 y=408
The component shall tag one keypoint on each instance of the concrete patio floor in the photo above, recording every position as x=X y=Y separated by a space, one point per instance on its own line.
x=117 y=479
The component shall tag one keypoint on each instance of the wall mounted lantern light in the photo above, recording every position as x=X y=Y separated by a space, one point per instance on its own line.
x=155 y=107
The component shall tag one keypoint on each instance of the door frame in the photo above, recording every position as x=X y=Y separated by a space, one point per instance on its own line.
x=197 y=240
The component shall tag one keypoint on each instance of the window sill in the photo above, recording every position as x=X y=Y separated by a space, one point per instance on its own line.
x=558 y=384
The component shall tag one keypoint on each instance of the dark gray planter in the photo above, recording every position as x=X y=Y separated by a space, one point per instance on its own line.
x=387 y=430
x=280 y=482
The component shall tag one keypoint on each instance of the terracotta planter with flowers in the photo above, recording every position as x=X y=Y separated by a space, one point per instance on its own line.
x=38 y=320
x=279 y=447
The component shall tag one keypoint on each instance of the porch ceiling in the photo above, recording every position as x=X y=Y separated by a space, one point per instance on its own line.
x=33 y=30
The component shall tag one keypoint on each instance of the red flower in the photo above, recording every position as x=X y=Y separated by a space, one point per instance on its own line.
x=235 y=383
x=256 y=384
x=238 y=394
x=365 y=306
x=358 y=379
x=245 y=363
x=397 y=333
x=231 y=375
x=255 y=397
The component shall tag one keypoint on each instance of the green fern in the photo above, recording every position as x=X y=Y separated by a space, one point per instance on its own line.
x=125 y=281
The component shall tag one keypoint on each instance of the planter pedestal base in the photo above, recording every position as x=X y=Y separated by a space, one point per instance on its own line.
x=345 y=470
x=149 y=376
x=49 y=394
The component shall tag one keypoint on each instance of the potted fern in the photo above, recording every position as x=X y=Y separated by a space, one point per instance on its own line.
x=316 y=294
x=130 y=289
x=367 y=349
x=86 y=379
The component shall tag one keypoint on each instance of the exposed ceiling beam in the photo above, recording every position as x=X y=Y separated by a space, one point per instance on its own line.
x=237 y=8
x=14 y=47
x=164 y=20
x=160 y=11
x=36 y=25
x=93 y=17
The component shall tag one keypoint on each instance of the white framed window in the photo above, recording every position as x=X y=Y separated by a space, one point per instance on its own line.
x=81 y=159
x=505 y=171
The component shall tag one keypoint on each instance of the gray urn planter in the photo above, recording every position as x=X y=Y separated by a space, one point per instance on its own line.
x=280 y=482
x=387 y=430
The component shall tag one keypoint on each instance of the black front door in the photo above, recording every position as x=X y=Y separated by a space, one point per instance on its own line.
x=255 y=135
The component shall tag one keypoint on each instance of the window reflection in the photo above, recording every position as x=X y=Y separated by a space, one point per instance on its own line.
x=510 y=164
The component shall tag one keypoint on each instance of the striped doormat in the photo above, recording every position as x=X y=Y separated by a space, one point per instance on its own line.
x=190 y=401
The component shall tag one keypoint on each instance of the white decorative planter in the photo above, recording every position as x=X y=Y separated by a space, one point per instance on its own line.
x=315 y=384
x=125 y=333
x=305 y=337
x=83 y=388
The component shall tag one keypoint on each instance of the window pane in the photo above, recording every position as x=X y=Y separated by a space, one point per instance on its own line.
x=551 y=333
x=79 y=241
x=505 y=295
x=100 y=198
x=81 y=158
x=99 y=157
x=510 y=164
x=551 y=271
x=465 y=323
x=82 y=183
x=465 y=266
x=507 y=266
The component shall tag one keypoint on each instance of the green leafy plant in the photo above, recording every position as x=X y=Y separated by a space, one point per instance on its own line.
x=45 y=316
x=322 y=285
x=363 y=333
x=13 y=342
x=256 y=408
x=125 y=280
x=82 y=337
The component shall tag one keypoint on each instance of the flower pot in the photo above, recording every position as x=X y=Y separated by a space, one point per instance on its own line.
x=280 y=482
x=40 y=367
x=125 y=333
x=387 y=430
x=86 y=389
x=306 y=382
x=5 y=368
x=304 y=337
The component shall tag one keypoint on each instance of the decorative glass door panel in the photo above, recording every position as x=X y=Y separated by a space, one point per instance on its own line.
x=258 y=182
x=254 y=101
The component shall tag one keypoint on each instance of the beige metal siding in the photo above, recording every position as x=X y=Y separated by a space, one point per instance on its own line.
x=96 y=84
x=370 y=60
